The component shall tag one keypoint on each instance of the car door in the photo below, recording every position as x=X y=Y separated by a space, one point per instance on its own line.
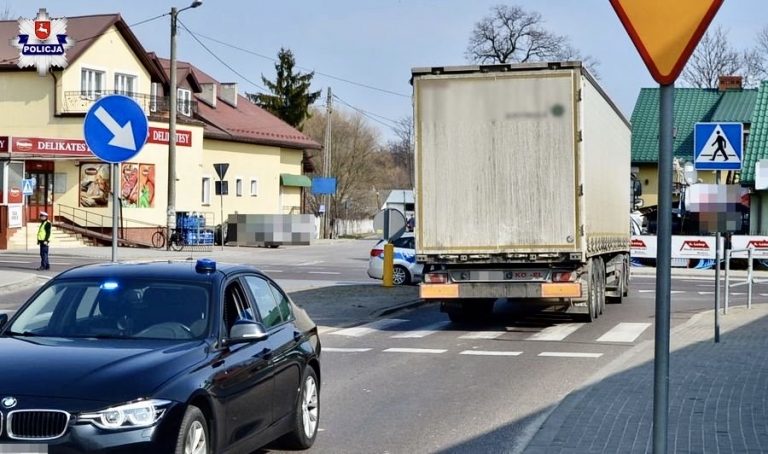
x=243 y=383
x=274 y=311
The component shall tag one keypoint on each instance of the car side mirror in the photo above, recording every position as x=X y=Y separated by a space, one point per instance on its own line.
x=246 y=331
x=3 y=320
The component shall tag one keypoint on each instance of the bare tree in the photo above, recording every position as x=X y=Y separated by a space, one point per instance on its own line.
x=6 y=13
x=757 y=58
x=511 y=34
x=402 y=153
x=356 y=160
x=713 y=57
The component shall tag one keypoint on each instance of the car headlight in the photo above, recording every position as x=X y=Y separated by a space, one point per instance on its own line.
x=132 y=415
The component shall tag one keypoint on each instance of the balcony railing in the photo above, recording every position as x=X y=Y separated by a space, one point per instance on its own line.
x=75 y=102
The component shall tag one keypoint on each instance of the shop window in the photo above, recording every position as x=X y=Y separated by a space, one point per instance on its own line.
x=184 y=101
x=239 y=187
x=254 y=187
x=91 y=83
x=125 y=84
x=206 y=198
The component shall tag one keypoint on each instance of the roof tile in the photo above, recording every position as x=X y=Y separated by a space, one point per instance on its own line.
x=757 y=145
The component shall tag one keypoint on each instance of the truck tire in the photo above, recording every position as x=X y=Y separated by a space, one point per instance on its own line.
x=601 y=286
x=593 y=296
x=471 y=311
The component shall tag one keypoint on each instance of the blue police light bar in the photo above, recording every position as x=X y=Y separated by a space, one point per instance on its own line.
x=205 y=266
x=322 y=185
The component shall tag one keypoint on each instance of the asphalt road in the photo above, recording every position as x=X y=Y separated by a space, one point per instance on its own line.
x=413 y=382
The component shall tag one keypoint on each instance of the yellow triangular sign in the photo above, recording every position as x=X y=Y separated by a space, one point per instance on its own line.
x=666 y=32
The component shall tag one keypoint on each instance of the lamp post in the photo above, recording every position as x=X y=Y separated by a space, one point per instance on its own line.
x=172 y=125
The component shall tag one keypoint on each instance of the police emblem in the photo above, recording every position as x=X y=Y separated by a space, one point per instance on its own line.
x=42 y=42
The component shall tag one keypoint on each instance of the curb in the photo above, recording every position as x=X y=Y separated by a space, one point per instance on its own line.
x=30 y=281
x=399 y=307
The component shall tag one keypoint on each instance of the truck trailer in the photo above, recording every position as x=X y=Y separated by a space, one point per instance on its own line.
x=522 y=188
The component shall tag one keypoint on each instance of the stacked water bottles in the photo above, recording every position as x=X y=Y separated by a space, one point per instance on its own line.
x=192 y=228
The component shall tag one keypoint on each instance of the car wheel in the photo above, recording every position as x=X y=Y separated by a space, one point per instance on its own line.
x=307 y=416
x=193 y=434
x=401 y=276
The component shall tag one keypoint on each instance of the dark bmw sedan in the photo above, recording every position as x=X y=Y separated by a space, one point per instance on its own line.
x=160 y=357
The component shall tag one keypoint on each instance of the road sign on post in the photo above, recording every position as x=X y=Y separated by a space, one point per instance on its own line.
x=665 y=34
x=115 y=129
x=718 y=146
x=28 y=186
x=221 y=171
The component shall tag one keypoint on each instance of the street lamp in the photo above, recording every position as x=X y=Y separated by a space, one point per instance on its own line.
x=172 y=125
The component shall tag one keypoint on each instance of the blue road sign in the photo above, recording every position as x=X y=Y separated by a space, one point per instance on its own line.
x=28 y=186
x=115 y=128
x=718 y=146
x=323 y=185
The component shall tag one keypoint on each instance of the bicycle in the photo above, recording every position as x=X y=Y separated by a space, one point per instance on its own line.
x=158 y=239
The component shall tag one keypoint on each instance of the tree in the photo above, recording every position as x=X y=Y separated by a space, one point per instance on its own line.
x=357 y=163
x=401 y=151
x=290 y=98
x=6 y=13
x=758 y=57
x=713 y=57
x=511 y=34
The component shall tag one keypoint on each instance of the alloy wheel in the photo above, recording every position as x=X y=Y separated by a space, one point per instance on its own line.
x=195 y=442
x=309 y=407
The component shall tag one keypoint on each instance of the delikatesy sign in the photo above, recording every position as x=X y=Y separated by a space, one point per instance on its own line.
x=42 y=42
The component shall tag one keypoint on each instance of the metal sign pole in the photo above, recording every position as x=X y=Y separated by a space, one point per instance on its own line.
x=663 y=271
x=115 y=208
x=717 y=275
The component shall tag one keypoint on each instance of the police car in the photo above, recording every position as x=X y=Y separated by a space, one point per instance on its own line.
x=406 y=269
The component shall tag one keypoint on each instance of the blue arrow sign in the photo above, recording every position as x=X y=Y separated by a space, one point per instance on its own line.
x=718 y=146
x=115 y=128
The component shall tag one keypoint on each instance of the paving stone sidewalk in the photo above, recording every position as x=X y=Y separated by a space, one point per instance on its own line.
x=718 y=395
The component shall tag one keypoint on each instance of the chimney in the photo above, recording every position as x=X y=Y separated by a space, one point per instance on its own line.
x=208 y=95
x=229 y=93
x=730 y=83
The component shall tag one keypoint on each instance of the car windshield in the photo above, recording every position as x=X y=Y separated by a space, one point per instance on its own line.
x=114 y=308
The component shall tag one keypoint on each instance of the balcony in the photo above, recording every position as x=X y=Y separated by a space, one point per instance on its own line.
x=77 y=102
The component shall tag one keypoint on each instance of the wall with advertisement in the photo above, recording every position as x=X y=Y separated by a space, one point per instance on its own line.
x=699 y=247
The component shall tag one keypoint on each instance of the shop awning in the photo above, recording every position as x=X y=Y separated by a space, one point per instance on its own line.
x=287 y=179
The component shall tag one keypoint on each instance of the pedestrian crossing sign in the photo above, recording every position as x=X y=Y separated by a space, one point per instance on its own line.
x=718 y=146
x=27 y=186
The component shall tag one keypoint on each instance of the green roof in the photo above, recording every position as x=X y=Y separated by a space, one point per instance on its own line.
x=757 y=143
x=287 y=179
x=692 y=105
x=735 y=106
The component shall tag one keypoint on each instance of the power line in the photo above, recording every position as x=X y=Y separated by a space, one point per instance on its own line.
x=220 y=60
x=369 y=115
x=330 y=76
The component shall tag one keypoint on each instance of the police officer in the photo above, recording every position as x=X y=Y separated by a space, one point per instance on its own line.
x=43 y=236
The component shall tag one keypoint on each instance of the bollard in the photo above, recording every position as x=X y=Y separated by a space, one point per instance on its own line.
x=389 y=265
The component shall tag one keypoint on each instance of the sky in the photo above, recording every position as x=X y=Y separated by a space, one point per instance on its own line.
x=376 y=42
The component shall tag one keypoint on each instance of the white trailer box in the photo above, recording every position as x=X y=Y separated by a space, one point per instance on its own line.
x=525 y=163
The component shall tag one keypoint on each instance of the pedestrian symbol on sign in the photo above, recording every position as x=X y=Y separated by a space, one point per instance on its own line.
x=718 y=146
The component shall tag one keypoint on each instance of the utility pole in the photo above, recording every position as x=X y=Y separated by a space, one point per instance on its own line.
x=327 y=161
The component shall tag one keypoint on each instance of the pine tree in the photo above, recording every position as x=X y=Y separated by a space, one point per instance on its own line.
x=290 y=98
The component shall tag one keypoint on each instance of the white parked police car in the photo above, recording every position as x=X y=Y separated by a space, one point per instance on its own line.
x=406 y=269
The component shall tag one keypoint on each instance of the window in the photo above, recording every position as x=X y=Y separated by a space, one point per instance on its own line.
x=91 y=83
x=265 y=301
x=206 y=196
x=184 y=101
x=153 y=94
x=239 y=187
x=282 y=302
x=125 y=84
x=254 y=187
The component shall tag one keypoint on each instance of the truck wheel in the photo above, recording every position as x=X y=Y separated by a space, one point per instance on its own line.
x=601 y=287
x=593 y=296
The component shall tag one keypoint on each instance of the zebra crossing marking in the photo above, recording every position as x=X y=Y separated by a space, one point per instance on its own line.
x=368 y=328
x=422 y=332
x=556 y=332
x=624 y=332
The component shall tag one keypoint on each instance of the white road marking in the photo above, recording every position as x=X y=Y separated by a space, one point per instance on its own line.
x=483 y=335
x=624 y=332
x=706 y=293
x=14 y=261
x=489 y=353
x=555 y=333
x=415 y=350
x=271 y=271
x=325 y=329
x=345 y=350
x=674 y=292
x=322 y=272
x=316 y=262
x=368 y=328
x=424 y=332
x=570 y=355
